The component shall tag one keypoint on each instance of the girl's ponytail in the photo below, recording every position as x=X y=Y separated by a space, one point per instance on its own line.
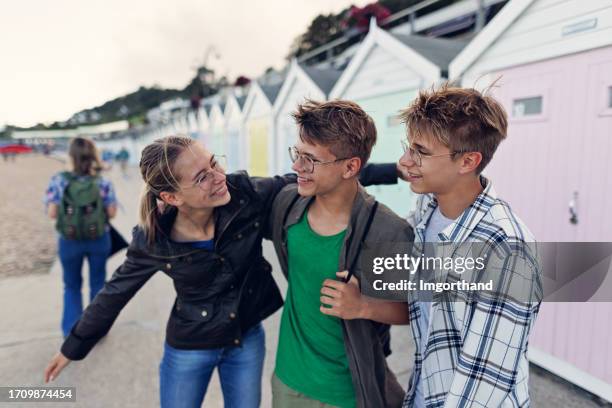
x=149 y=214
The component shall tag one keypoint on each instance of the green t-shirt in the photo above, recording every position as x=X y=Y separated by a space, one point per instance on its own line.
x=311 y=358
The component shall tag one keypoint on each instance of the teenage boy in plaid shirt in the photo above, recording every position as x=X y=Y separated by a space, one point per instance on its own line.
x=470 y=351
x=471 y=348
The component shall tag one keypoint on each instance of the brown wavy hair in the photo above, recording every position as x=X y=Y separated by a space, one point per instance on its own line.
x=463 y=119
x=84 y=157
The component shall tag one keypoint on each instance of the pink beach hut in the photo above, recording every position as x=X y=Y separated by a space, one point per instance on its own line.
x=553 y=63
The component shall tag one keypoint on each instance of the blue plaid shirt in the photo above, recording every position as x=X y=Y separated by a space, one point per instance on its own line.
x=58 y=184
x=476 y=352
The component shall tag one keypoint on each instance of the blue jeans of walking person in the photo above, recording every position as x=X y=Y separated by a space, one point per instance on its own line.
x=185 y=374
x=72 y=254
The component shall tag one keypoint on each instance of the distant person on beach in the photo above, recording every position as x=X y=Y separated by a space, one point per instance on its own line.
x=123 y=157
x=82 y=202
x=204 y=230
x=107 y=158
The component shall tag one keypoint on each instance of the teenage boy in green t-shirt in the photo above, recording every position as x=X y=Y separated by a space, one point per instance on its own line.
x=327 y=358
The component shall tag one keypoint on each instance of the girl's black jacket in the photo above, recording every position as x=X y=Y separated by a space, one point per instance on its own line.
x=220 y=293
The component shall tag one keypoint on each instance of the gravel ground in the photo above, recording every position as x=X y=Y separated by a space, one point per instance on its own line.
x=28 y=242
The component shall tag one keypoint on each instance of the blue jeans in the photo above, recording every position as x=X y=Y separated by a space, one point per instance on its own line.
x=184 y=374
x=71 y=254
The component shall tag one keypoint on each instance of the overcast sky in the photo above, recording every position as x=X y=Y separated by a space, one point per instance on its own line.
x=58 y=57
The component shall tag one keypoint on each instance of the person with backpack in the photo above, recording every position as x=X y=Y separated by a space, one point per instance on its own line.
x=81 y=202
x=203 y=229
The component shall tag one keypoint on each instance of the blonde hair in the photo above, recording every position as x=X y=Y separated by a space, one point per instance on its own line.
x=157 y=169
x=463 y=119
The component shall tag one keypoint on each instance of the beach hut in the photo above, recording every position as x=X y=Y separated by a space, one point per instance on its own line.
x=383 y=77
x=217 y=127
x=235 y=146
x=553 y=63
x=259 y=127
x=199 y=119
x=302 y=82
x=193 y=123
x=176 y=123
x=203 y=120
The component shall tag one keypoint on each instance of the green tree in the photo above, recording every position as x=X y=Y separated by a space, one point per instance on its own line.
x=203 y=84
x=323 y=29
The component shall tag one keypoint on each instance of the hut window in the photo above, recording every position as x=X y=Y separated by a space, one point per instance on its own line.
x=527 y=107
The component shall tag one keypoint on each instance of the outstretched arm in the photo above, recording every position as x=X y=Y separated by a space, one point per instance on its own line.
x=55 y=367
x=102 y=312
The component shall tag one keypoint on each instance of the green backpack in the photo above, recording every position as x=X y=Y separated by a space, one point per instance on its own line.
x=81 y=214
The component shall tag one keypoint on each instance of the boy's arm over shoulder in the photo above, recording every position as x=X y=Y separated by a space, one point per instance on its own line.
x=278 y=209
x=266 y=188
x=378 y=173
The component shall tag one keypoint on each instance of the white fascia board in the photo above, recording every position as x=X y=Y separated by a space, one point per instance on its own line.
x=286 y=87
x=202 y=112
x=305 y=78
x=492 y=31
x=230 y=103
x=203 y=115
x=378 y=37
x=254 y=92
x=410 y=57
x=250 y=99
x=216 y=115
x=353 y=67
x=296 y=73
x=232 y=109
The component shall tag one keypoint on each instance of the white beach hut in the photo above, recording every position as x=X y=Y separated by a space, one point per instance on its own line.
x=302 y=82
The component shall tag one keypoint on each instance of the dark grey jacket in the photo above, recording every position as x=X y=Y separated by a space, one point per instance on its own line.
x=366 y=342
